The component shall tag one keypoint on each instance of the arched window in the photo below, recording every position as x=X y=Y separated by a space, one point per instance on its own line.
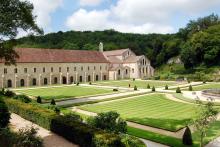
x=45 y=81
x=9 y=83
x=97 y=77
x=105 y=77
x=119 y=72
x=22 y=82
x=80 y=79
x=34 y=82
x=55 y=80
x=126 y=71
x=71 y=79
x=64 y=80
x=89 y=78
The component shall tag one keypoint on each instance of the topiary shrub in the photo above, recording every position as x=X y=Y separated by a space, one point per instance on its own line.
x=190 y=88
x=57 y=110
x=135 y=87
x=39 y=100
x=153 y=89
x=115 y=89
x=204 y=82
x=166 y=87
x=187 y=137
x=133 y=79
x=148 y=86
x=77 y=84
x=4 y=114
x=178 y=90
x=53 y=102
x=90 y=83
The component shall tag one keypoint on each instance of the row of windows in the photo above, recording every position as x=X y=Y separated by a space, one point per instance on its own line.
x=52 y=69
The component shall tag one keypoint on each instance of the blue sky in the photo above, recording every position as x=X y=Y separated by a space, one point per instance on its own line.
x=133 y=16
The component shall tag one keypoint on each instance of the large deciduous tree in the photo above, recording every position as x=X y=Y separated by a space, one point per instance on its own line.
x=15 y=15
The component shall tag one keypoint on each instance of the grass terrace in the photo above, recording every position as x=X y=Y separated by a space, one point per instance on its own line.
x=64 y=92
x=138 y=83
x=205 y=86
x=153 y=110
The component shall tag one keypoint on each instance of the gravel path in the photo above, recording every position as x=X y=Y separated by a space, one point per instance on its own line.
x=49 y=139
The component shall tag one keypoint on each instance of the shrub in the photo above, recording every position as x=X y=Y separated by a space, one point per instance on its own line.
x=109 y=121
x=39 y=100
x=57 y=110
x=153 y=89
x=190 y=88
x=77 y=84
x=53 y=102
x=178 y=90
x=148 y=86
x=133 y=79
x=90 y=83
x=187 y=137
x=115 y=89
x=135 y=87
x=7 y=138
x=23 y=98
x=27 y=138
x=131 y=141
x=156 y=77
x=2 y=91
x=166 y=87
x=204 y=82
x=4 y=114
x=9 y=93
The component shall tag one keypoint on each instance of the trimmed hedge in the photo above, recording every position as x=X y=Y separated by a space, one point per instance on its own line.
x=76 y=132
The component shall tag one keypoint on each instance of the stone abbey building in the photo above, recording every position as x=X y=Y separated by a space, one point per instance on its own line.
x=38 y=67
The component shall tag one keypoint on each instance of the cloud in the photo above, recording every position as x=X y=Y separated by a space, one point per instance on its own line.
x=137 y=16
x=43 y=10
x=90 y=2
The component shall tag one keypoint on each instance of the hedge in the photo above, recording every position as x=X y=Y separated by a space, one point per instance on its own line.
x=76 y=132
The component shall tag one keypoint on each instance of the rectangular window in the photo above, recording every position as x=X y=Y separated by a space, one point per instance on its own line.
x=35 y=69
x=59 y=69
x=88 y=67
x=25 y=70
x=16 y=70
x=67 y=69
x=74 y=68
x=94 y=67
x=100 y=67
x=81 y=68
x=5 y=71
x=44 y=69
x=51 y=69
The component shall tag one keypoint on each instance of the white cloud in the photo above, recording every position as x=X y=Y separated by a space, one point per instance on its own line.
x=137 y=16
x=90 y=2
x=43 y=10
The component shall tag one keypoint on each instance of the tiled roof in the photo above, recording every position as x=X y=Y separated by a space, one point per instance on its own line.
x=113 y=59
x=33 y=55
x=115 y=52
x=132 y=59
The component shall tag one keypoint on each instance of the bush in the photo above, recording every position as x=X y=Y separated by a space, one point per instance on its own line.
x=9 y=93
x=148 y=86
x=190 y=88
x=53 y=102
x=156 y=77
x=23 y=98
x=133 y=79
x=204 y=82
x=90 y=83
x=4 y=114
x=2 y=91
x=178 y=90
x=7 y=138
x=131 y=141
x=115 y=89
x=153 y=89
x=135 y=87
x=166 y=87
x=27 y=138
x=187 y=137
x=39 y=100
x=77 y=84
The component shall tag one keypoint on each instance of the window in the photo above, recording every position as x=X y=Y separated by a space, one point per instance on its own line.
x=44 y=69
x=5 y=71
x=16 y=70
x=81 y=68
x=132 y=70
x=59 y=69
x=51 y=69
x=35 y=69
x=67 y=69
x=94 y=67
x=88 y=68
x=25 y=70
x=119 y=72
x=126 y=71
x=100 y=67
x=74 y=68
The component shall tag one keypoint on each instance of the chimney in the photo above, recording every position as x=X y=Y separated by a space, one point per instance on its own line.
x=101 y=47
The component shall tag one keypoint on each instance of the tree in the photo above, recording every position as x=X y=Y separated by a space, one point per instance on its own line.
x=14 y=15
x=4 y=114
x=190 y=88
x=205 y=116
x=109 y=121
x=39 y=100
x=187 y=137
x=135 y=87
x=148 y=86
x=166 y=87
x=53 y=102
x=178 y=90
x=153 y=89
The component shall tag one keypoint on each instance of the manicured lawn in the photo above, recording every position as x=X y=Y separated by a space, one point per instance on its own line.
x=63 y=92
x=138 y=83
x=205 y=86
x=153 y=110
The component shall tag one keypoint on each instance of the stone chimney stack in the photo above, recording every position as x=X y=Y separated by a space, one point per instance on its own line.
x=101 y=47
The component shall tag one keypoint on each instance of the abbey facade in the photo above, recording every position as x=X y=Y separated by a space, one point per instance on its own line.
x=38 y=67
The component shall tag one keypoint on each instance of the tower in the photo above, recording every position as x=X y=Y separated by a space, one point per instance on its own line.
x=101 y=47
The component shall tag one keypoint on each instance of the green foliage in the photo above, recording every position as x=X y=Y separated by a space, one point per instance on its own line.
x=131 y=141
x=178 y=90
x=187 y=137
x=153 y=89
x=7 y=138
x=4 y=114
x=27 y=138
x=166 y=87
x=190 y=88
x=109 y=121
x=148 y=86
x=9 y=93
x=22 y=98
x=115 y=89
x=135 y=87
x=53 y=102
x=39 y=100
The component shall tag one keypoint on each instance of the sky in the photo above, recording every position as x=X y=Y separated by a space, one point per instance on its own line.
x=130 y=16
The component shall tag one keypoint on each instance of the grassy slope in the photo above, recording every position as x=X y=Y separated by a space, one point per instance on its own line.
x=64 y=92
x=205 y=86
x=153 y=110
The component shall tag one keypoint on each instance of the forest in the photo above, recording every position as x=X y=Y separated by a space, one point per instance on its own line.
x=197 y=44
